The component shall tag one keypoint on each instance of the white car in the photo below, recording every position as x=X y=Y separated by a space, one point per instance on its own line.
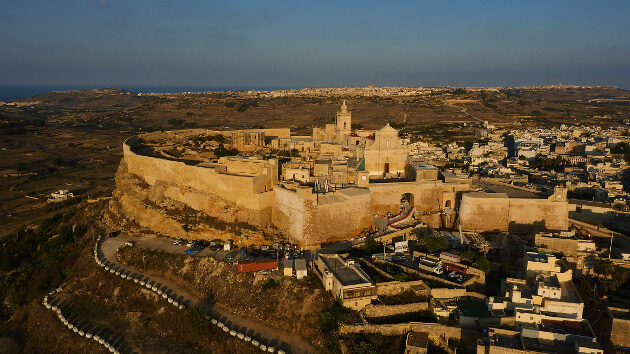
x=190 y=244
x=177 y=243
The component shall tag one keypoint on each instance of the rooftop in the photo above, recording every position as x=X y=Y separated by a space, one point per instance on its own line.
x=347 y=275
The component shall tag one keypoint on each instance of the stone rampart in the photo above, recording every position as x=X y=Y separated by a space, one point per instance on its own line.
x=229 y=197
x=310 y=219
x=498 y=212
x=428 y=197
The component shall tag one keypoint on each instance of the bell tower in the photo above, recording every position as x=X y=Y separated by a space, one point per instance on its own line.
x=344 y=118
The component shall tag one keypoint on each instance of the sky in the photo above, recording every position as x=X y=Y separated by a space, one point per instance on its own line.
x=267 y=43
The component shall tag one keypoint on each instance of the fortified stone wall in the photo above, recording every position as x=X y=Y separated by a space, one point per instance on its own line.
x=310 y=219
x=497 y=212
x=225 y=196
x=428 y=197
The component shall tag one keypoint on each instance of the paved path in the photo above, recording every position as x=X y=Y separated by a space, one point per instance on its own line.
x=290 y=343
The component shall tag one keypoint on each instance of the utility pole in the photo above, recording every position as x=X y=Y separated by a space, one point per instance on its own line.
x=612 y=235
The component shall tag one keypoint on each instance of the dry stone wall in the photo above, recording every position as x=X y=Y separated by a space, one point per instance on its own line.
x=434 y=329
x=384 y=311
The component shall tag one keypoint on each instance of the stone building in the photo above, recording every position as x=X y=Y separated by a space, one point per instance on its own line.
x=346 y=280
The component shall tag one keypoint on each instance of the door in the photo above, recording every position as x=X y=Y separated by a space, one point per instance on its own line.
x=386 y=169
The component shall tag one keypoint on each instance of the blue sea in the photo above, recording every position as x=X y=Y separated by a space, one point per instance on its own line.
x=8 y=93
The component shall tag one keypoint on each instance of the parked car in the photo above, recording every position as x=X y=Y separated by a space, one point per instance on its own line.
x=214 y=247
x=177 y=242
x=228 y=257
x=190 y=244
x=192 y=251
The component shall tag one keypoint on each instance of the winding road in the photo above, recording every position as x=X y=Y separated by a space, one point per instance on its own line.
x=281 y=340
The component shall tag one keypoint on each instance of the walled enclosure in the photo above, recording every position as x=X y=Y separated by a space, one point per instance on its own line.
x=211 y=189
x=498 y=212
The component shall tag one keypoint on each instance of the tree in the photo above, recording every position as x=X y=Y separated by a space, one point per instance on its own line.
x=434 y=244
x=467 y=256
x=176 y=122
x=222 y=151
x=483 y=264
x=364 y=348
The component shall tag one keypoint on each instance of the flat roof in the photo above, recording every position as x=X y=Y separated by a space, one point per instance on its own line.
x=418 y=339
x=565 y=327
x=346 y=275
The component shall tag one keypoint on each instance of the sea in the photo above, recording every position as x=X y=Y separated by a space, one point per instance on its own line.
x=8 y=93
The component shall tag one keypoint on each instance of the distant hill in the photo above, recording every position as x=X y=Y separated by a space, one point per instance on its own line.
x=96 y=99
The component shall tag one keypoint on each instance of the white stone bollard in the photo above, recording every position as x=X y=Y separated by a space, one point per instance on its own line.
x=247 y=339
x=281 y=352
x=255 y=343
x=233 y=333
x=240 y=335
x=88 y=335
x=271 y=349
x=159 y=292
x=142 y=283
x=170 y=301
x=154 y=288
x=214 y=322
x=263 y=347
x=81 y=333
x=225 y=329
x=181 y=307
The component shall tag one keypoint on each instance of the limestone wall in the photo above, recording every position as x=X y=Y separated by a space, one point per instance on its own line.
x=397 y=287
x=309 y=222
x=497 y=212
x=428 y=197
x=384 y=310
x=434 y=329
x=245 y=191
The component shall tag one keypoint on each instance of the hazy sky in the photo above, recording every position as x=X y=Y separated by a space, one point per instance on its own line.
x=314 y=43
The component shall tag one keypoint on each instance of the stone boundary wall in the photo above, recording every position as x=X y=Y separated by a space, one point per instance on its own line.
x=395 y=287
x=445 y=293
x=392 y=310
x=434 y=329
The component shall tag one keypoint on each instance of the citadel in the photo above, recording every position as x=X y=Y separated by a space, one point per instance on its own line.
x=335 y=184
